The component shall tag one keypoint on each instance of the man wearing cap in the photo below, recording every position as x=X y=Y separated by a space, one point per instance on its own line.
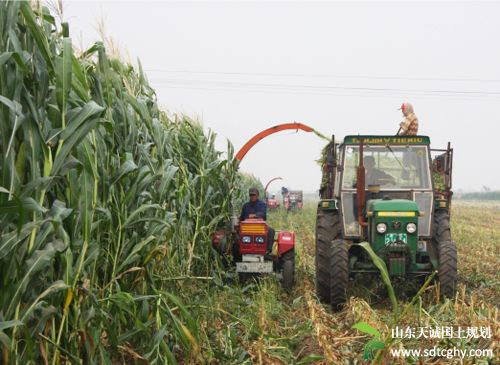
x=409 y=126
x=255 y=208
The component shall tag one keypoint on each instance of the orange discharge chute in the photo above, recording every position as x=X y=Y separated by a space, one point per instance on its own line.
x=277 y=128
x=269 y=183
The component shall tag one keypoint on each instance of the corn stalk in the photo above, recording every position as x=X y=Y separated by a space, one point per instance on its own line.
x=102 y=198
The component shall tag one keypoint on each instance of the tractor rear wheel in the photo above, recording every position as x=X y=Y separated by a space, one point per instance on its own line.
x=288 y=270
x=339 y=273
x=447 y=254
x=327 y=230
x=447 y=272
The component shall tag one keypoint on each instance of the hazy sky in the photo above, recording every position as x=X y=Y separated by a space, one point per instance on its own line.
x=340 y=67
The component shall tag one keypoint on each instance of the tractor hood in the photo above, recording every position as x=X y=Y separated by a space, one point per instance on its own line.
x=396 y=206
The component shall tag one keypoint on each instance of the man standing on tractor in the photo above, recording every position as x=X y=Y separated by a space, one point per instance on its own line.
x=256 y=209
x=409 y=126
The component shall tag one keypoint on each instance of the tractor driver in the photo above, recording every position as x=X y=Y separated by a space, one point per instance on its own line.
x=256 y=208
x=376 y=176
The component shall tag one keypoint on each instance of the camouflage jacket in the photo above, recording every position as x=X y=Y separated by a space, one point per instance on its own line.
x=409 y=126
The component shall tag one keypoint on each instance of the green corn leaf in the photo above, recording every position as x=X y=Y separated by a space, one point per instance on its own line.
x=20 y=206
x=37 y=184
x=85 y=204
x=126 y=168
x=366 y=328
x=38 y=261
x=79 y=81
x=4 y=57
x=53 y=288
x=384 y=273
x=310 y=359
x=5 y=340
x=78 y=128
x=37 y=33
x=134 y=254
x=8 y=324
x=143 y=208
x=90 y=110
x=63 y=75
x=12 y=105
x=185 y=312
x=10 y=240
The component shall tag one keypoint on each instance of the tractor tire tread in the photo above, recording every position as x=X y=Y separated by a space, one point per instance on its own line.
x=447 y=272
x=288 y=270
x=441 y=227
x=339 y=277
x=327 y=229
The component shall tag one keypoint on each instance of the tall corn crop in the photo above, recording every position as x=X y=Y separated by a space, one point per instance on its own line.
x=103 y=200
x=246 y=181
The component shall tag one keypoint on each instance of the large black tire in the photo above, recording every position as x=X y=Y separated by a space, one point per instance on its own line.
x=447 y=273
x=339 y=273
x=447 y=254
x=327 y=230
x=288 y=270
x=441 y=230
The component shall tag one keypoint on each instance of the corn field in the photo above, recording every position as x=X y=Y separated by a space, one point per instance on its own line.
x=106 y=204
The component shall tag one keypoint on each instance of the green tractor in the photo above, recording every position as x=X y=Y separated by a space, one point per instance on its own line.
x=393 y=192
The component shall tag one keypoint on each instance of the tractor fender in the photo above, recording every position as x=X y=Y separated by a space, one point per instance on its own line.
x=286 y=242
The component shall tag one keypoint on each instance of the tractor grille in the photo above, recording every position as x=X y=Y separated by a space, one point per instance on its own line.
x=253 y=229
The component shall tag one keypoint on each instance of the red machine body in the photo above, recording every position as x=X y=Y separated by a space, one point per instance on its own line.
x=293 y=199
x=272 y=203
x=286 y=242
x=253 y=237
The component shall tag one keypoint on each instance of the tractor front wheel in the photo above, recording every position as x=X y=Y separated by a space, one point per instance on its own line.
x=447 y=272
x=339 y=273
x=288 y=270
x=441 y=228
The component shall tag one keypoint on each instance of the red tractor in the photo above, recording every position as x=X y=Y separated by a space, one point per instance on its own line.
x=249 y=246
x=272 y=203
x=252 y=243
x=292 y=200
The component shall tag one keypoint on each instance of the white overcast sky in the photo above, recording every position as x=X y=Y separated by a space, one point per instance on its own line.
x=340 y=67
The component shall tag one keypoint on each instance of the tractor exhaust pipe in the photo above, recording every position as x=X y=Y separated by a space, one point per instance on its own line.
x=360 y=190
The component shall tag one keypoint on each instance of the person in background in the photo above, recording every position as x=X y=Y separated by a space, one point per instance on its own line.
x=409 y=126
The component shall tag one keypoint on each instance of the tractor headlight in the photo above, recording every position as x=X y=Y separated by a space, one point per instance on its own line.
x=411 y=228
x=259 y=239
x=246 y=239
x=381 y=228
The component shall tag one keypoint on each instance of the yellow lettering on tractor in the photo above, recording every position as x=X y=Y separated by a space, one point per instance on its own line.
x=388 y=140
